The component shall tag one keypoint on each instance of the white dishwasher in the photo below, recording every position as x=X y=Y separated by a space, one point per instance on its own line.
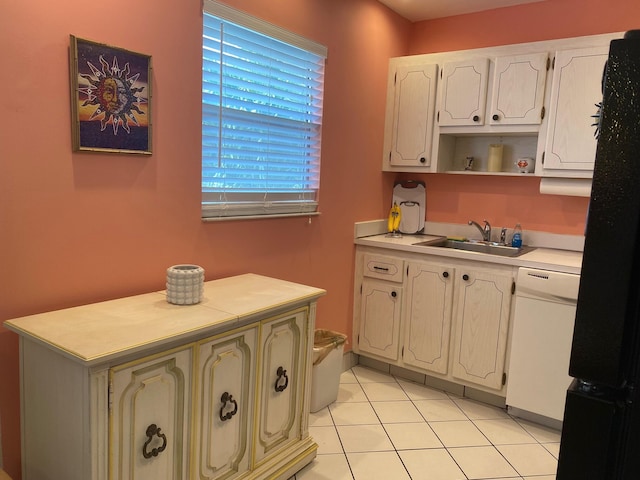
x=545 y=310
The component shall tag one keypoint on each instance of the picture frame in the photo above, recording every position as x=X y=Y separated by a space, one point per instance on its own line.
x=110 y=98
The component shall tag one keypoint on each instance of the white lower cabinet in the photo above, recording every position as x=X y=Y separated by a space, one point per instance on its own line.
x=453 y=322
x=138 y=389
x=483 y=305
x=427 y=316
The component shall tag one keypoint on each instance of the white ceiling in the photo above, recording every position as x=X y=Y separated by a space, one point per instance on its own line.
x=416 y=10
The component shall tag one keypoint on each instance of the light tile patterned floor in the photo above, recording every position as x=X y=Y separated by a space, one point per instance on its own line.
x=383 y=427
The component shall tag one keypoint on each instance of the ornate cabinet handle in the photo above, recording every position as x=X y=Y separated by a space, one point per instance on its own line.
x=154 y=431
x=227 y=399
x=281 y=373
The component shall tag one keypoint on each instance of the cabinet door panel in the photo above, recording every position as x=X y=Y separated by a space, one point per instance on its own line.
x=380 y=318
x=428 y=316
x=483 y=307
x=414 y=107
x=518 y=89
x=226 y=385
x=282 y=366
x=464 y=92
x=575 y=93
x=151 y=393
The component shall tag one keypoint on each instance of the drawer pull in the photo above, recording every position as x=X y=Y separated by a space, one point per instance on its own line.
x=154 y=431
x=227 y=399
x=381 y=269
x=282 y=373
x=394 y=294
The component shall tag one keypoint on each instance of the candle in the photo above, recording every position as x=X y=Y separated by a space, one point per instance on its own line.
x=495 y=157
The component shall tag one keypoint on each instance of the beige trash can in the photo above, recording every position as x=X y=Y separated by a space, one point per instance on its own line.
x=328 y=349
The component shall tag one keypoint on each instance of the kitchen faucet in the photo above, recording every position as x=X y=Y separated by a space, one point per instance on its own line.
x=485 y=231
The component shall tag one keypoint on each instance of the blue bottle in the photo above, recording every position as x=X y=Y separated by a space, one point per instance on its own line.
x=516 y=240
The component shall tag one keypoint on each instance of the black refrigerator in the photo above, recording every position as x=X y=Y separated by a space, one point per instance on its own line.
x=601 y=428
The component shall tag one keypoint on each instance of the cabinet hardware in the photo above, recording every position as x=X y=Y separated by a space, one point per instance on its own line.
x=383 y=269
x=543 y=157
x=423 y=160
x=476 y=118
x=402 y=354
x=227 y=399
x=504 y=378
x=395 y=78
x=548 y=63
x=445 y=274
x=438 y=116
x=282 y=373
x=394 y=294
x=553 y=63
x=542 y=112
x=495 y=117
x=154 y=431
x=465 y=277
x=513 y=288
x=389 y=156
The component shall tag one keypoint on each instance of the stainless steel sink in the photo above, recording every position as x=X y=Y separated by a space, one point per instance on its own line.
x=491 y=248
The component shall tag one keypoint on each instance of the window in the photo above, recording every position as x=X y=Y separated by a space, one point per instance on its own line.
x=262 y=91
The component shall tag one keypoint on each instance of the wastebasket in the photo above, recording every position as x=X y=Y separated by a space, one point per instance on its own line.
x=328 y=349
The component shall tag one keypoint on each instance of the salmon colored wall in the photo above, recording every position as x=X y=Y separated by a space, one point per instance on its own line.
x=507 y=200
x=79 y=227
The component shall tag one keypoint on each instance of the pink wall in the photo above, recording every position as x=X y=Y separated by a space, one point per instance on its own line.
x=506 y=201
x=78 y=227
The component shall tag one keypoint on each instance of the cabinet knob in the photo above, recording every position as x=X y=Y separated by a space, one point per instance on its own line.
x=476 y=118
x=226 y=400
x=282 y=373
x=465 y=277
x=154 y=431
x=423 y=160
x=445 y=274
x=394 y=294
x=496 y=117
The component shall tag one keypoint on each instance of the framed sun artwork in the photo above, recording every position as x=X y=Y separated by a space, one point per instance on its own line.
x=110 y=98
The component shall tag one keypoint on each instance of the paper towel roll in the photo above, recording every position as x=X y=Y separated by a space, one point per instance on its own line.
x=575 y=187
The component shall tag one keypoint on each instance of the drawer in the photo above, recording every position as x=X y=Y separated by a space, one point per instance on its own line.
x=383 y=267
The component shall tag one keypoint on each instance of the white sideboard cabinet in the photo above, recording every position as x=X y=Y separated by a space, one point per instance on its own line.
x=137 y=388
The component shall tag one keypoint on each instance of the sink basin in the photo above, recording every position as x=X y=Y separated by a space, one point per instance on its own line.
x=492 y=248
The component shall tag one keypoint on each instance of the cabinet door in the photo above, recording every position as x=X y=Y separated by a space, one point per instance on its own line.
x=518 y=89
x=380 y=318
x=427 y=316
x=483 y=302
x=464 y=92
x=224 y=402
x=575 y=95
x=150 y=405
x=280 y=397
x=413 y=111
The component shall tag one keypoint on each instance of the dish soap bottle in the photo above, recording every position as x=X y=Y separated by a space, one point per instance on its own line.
x=516 y=240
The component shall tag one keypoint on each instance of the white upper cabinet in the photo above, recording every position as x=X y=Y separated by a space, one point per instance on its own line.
x=575 y=94
x=518 y=89
x=463 y=92
x=413 y=107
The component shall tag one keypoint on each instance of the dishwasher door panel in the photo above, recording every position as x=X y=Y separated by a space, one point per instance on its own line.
x=539 y=362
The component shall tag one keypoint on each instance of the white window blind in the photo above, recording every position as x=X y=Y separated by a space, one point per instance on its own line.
x=262 y=90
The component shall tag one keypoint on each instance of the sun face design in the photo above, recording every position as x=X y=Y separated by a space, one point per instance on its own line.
x=112 y=90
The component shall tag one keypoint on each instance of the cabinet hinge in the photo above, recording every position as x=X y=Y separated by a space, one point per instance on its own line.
x=110 y=395
x=513 y=287
x=504 y=378
x=542 y=112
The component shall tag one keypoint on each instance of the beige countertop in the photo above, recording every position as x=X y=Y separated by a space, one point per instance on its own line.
x=99 y=332
x=544 y=258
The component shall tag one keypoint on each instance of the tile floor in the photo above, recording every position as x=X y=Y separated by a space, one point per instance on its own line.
x=387 y=428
